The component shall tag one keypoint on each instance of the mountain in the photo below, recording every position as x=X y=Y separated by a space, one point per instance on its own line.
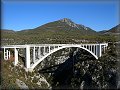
x=63 y=31
x=115 y=30
x=66 y=24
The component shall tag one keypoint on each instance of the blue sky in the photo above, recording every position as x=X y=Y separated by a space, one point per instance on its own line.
x=98 y=15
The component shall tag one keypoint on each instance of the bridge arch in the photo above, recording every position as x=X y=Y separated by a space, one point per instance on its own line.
x=59 y=48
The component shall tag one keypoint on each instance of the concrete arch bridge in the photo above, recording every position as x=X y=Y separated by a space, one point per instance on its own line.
x=35 y=53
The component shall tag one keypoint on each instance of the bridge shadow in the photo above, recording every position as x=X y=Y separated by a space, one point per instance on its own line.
x=50 y=69
x=63 y=74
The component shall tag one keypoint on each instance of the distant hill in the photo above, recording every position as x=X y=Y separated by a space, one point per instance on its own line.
x=114 y=30
x=7 y=31
x=102 y=32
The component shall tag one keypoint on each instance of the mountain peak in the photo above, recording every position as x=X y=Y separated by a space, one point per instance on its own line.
x=69 y=22
x=65 y=20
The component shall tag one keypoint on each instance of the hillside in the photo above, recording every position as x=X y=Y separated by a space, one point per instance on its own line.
x=66 y=25
x=16 y=77
x=60 y=31
x=114 y=30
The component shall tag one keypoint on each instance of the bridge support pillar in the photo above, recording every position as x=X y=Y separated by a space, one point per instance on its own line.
x=16 y=56
x=94 y=49
x=49 y=49
x=44 y=50
x=100 y=51
x=5 y=54
x=34 y=54
x=27 y=56
x=39 y=52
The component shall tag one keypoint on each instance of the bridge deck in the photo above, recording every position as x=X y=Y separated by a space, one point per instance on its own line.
x=32 y=45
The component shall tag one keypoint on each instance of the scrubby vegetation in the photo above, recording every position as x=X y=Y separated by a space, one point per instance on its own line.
x=49 y=37
x=81 y=71
x=10 y=75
